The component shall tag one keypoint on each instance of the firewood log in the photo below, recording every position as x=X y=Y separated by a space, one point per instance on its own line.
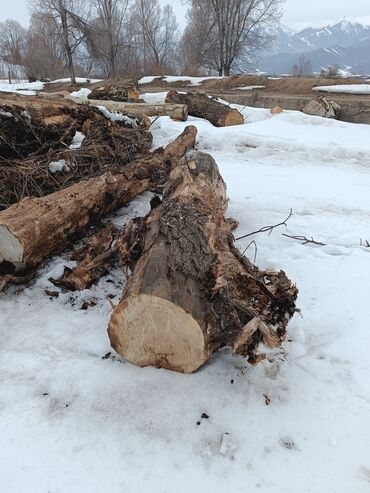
x=191 y=292
x=124 y=91
x=177 y=112
x=35 y=228
x=201 y=106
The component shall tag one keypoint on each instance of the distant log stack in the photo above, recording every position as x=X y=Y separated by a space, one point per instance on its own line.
x=201 y=106
x=125 y=91
x=191 y=292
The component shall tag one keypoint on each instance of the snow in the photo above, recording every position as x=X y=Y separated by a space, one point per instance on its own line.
x=22 y=87
x=73 y=419
x=81 y=94
x=77 y=140
x=345 y=89
x=248 y=88
x=79 y=80
x=148 y=79
x=115 y=116
x=155 y=97
x=59 y=166
x=193 y=81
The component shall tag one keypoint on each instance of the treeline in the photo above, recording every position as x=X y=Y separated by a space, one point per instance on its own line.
x=115 y=38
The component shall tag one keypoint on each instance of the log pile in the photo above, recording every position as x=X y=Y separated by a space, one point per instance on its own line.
x=107 y=146
x=189 y=291
x=31 y=125
x=124 y=91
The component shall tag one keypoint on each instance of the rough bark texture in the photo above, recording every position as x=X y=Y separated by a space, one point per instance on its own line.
x=201 y=106
x=122 y=92
x=35 y=228
x=177 y=112
x=191 y=292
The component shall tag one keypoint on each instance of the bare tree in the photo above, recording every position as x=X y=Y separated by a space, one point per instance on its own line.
x=157 y=31
x=43 y=54
x=302 y=67
x=234 y=27
x=12 y=36
x=69 y=23
x=107 y=32
x=331 y=72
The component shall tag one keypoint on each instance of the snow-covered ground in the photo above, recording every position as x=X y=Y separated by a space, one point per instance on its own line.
x=29 y=88
x=21 y=87
x=73 y=420
x=345 y=89
x=79 y=80
x=193 y=81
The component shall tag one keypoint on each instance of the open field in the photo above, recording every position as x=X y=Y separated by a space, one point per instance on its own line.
x=77 y=417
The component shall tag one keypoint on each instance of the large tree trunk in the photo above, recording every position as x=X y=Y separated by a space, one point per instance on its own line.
x=177 y=112
x=201 y=106
x=35 y=228
x=191 y=292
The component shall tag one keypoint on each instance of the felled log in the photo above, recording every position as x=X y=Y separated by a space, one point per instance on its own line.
x=177 y=112
x=35 y=228
x=191 y=291
x=201 y=106
x=107 y=146
x=124 y=91
x=322 y=107
x=30 y=125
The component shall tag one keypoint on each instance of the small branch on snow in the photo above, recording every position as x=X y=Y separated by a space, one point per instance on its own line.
x=267 y=229
x=305 y=240
x=255 y=250
x=364 y=243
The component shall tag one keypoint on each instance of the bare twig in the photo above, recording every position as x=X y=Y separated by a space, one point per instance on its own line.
x=268 y=229
x=255 y=250
x=304 y=239
x=365 y=243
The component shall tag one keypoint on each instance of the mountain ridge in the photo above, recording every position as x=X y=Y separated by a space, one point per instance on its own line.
x=343 y=43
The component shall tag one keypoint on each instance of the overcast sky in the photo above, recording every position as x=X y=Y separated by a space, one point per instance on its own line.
x=295 y=10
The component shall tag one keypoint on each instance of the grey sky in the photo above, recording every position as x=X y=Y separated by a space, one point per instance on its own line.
x=295 y=10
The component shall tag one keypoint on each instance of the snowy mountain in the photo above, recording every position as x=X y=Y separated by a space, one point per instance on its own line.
x=345 y=43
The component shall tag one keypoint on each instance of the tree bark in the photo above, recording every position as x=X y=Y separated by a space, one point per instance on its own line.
x=201 y=106
x=35 y=228
x=191 y=292
x=66 y=44
x=177 y=112
x=123 y=92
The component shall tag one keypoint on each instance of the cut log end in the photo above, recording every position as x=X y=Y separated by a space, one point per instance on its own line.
x=11 y=250
x=152 y=331
x=233 y=117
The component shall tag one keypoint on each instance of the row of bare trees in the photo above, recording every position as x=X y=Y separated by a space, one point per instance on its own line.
x=112 y=38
